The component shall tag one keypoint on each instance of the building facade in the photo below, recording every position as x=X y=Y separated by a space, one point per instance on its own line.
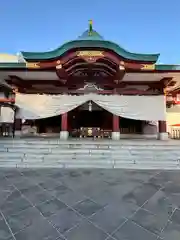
x=89 y=87
x=7 y=110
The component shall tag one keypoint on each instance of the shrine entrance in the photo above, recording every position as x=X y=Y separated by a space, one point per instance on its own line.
x=90 y=120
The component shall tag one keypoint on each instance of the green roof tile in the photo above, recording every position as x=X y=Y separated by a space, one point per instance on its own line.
x=12 y=65
x=93 y=35
x=167 y=67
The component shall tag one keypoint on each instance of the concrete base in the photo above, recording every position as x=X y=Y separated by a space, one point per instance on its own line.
x=163 y=136
x=64 y=135
x=18 y=133
x=115 y=136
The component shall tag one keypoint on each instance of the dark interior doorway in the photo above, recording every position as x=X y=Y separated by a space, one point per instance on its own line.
x=51 y=125
x=130 y=126
x=84 y=118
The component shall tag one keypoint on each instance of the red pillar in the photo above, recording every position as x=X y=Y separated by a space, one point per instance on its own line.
x=115 y=128
x=64 y=134
x=162 y=126
x=64 y=122
x=115 y=123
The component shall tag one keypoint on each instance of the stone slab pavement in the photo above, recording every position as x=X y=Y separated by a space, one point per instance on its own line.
x=85 y=204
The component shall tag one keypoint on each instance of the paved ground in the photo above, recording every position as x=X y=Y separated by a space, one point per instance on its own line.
x=89 y=204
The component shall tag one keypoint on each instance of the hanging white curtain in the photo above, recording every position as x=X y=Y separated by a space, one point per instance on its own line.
x=34 y=106
x=149 y=108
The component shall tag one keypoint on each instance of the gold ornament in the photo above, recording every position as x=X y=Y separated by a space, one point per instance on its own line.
x=148 y=67
x=59 y=66
x=90 y=54
x=32 y=65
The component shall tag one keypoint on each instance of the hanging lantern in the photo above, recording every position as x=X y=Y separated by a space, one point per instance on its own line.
x=90 y=106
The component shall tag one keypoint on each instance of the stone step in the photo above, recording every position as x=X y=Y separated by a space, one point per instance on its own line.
x=104 y=144
x=11 y=159
x=29 y=150
x=11 y=154
x=74 y=142
x=88 y=154
x=75 y=154
x=160 y=152
x=59 y=165
x=58 y=151
x=96 y=164
x=87 y=147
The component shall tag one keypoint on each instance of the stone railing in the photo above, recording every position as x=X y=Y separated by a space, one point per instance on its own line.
x=175 y=133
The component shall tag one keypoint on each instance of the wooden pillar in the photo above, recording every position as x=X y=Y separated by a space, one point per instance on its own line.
x=162 y=126
x=115 y=123
x=115 y=127
x=64 y=127
x=64 y=122
x=17 y=126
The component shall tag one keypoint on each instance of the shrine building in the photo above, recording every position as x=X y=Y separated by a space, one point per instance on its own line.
x=87 y=87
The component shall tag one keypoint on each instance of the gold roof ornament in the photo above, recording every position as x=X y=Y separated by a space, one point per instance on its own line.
x=90 y=28
x=90 y=53
x=32 y=65
x=148 y=67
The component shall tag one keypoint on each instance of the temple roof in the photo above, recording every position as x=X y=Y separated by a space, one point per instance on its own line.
x=90 y=42
x=90 y=39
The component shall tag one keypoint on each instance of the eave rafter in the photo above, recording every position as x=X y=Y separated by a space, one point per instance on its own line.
x=17 y=82
x=91 y=68
x=94 y=65
x=62 y=75
x=92 y=72
x=100 y=65
x=108 y=62
x=166 y=81
x=161 y=85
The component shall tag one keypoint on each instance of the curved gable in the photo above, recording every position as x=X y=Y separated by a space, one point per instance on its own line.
x=90 y=44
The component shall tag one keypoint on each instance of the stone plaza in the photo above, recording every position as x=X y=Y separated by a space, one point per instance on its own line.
x=89 y=204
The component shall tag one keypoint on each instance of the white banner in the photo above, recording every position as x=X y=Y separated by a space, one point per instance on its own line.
x=149 y=108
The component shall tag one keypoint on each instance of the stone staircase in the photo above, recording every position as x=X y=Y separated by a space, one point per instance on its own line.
x=133 y=154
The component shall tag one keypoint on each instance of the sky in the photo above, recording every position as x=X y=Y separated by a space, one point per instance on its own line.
x=137 y=25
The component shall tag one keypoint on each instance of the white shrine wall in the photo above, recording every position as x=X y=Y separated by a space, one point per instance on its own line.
x=2 y=95
x=6 y=114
